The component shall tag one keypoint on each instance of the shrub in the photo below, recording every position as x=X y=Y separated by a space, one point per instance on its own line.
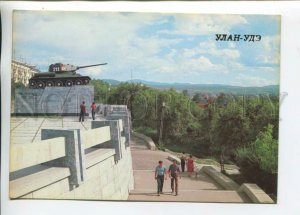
x=259 y=161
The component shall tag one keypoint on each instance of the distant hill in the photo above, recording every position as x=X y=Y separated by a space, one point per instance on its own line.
x=111 y=81
x=210 y=88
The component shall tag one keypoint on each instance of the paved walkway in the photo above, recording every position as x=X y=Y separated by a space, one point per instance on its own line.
x=195 y=189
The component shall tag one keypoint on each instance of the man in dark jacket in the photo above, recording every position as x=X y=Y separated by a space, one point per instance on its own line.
x=82 y=112
x=174 y=172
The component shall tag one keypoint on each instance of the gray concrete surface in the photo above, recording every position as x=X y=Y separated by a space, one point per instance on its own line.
x=61 y=100
x=28 y=129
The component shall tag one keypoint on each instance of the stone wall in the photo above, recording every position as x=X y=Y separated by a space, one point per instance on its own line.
x=125 y=115
x=105 y=180
x=254 y=192
x=53 y=100
x=96 y=166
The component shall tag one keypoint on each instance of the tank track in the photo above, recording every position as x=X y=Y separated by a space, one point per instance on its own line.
x=42 y=82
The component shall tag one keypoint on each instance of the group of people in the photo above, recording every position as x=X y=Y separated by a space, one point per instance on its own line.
x=161 y=175
x=187 y=162
x=173 y=172
x=83 y=111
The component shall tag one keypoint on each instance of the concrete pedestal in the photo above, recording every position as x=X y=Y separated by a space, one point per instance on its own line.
x=53 y=100
x=126 y=118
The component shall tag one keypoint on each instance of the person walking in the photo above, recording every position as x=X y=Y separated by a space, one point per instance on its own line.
x=190 y=165
x=93 y=107
x=182 y=161
x=174 y=173
x=160 y=175
x=82 y=112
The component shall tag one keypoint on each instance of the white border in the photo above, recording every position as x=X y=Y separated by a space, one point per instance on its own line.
x=289 y=150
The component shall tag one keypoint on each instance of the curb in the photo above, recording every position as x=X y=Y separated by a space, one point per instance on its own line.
x=173 y=157
x=148 y=140
x=255 y=193
x=221 y=179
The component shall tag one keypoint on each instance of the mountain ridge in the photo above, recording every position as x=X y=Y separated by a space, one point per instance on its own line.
x=194 y=88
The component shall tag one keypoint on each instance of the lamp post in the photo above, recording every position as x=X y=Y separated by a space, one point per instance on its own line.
x=161 y=123
x=135 y=88
x=107 y=94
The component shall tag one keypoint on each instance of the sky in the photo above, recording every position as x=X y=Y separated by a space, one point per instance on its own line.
x=158 y=47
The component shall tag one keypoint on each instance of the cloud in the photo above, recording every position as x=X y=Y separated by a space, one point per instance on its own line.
x=237 y=66
x=77 y=31
x=210 y=48
x=270 y=53
x=92 y=71
x=74 y=37
x=192 y=24
x=252 y=69
x=266 y=69
x=244 y=80
x=133 y=42
x=203 y=64
x=231 y=45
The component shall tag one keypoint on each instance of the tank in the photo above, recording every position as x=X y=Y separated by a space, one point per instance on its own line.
x=60 y=75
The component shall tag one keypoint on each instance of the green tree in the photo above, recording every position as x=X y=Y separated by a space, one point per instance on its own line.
x=185 y=92
x=261 y=111
x=259 y=161
x=230 y=130
x=266 y=149
x=102 y=91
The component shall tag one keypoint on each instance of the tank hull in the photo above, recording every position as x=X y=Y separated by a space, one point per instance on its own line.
x=42 y=82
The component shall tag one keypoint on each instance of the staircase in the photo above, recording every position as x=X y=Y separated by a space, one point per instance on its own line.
x=200 y=188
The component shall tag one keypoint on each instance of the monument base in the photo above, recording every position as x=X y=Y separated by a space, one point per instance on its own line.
x=53 y=101
x=47 y=114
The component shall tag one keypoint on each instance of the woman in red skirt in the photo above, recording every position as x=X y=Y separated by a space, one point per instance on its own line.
x=190 y=165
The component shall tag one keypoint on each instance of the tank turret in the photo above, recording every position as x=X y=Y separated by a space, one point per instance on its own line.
x=61 y=68
x=60 y=75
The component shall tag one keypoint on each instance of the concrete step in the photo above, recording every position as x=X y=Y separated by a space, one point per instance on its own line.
x=137 y=143
x=217 y=196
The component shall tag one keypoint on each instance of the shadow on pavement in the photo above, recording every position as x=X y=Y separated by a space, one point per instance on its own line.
x=151 y=194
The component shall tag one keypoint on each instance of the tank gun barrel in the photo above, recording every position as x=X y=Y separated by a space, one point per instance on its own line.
x=100 y=64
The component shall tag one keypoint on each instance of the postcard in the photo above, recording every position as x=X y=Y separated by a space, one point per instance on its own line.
x=129 y=107
x=145 y=106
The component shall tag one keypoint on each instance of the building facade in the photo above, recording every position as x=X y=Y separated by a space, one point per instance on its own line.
x=22 y=72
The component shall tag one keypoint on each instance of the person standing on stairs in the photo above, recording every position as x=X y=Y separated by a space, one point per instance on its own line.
x=82 y=112
x=93 y=107
x=174 y=172
x=160 y=175
x=190 y=165
x=182 y=161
